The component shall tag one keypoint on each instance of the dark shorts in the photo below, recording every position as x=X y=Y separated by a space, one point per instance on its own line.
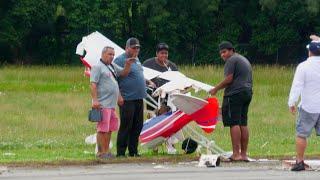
x=235 y=109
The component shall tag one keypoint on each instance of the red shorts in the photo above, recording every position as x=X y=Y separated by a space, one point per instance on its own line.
x=109 y=121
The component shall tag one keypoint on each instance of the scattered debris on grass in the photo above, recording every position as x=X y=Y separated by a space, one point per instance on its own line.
x=3 y=169
x=8 y=154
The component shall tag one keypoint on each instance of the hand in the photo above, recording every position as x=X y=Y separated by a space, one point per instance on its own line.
x=95 y=104
x=152 y=84
x=130 y=61
x=213 y=91
x=120 y=100
x=293 y=109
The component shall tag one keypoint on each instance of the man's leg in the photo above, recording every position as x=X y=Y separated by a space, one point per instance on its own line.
x=102 y=135
x=301 y=144
x=246 y=97
x=235 y=133
x=126 y=116
x=244 y=141
x=107 y=139
x=235 y=109
x=305 y=123
x=229 y=116
x=136 y=128
x=102 y=147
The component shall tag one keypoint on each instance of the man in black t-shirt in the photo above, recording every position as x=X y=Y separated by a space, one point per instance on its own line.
x=237 y=87
x=160 y=63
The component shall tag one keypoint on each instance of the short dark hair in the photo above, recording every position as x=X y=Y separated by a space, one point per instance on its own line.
x=162 y=46
x=226 y=45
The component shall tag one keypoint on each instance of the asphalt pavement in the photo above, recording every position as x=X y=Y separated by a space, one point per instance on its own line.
x=153 y=171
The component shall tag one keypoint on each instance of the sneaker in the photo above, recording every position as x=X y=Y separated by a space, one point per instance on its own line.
x=106 y=156
x=298 y=166
x=170 y=148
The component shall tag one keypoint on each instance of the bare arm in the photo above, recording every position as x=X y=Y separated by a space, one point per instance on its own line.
x=94 y=95
x=120 y=100
x=222 y=84
x=150 y=83
x=127 y=67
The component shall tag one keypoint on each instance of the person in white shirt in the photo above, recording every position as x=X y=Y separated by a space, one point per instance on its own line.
x=306 y=84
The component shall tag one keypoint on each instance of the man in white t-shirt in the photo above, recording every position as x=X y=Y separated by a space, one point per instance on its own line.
x=306 y=84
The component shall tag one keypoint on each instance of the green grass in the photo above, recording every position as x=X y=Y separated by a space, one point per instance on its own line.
x=43 y=113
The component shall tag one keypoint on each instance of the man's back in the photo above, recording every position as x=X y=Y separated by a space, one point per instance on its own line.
x=312 y=70
x=307 y=77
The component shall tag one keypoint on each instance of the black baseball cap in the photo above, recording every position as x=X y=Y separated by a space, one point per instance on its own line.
x=133 y=42
x=162 y=46
x=225 y=45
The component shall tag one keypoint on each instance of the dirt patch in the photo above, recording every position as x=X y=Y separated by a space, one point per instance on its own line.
x=147 y=159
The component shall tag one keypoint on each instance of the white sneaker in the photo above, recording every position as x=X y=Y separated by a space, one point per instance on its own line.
x=170 y=148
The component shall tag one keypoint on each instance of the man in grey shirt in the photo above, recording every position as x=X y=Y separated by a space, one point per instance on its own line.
x=236 y=100
x=105 y=93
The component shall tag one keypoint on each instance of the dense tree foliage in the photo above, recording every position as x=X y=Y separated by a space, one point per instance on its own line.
x=267 y=31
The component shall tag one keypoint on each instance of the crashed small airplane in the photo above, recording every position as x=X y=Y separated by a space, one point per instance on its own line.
x=185 y=108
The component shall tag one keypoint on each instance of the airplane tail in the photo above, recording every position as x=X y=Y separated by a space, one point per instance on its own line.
x=87 y=66
x=207 y=117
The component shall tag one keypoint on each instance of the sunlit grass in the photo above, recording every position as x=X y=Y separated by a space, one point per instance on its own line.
x=43 y=113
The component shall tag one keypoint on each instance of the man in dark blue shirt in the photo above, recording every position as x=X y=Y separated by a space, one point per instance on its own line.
x=133 y=90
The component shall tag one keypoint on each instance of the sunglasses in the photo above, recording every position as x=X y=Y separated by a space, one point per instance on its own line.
x=135 y=47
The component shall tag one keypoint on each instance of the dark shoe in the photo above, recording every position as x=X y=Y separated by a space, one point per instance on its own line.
x=121 y=156
x=298 y=167
x=134 y=155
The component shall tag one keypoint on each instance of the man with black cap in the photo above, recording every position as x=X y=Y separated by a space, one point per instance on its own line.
x=133 y=90
x=236 y=99
x=306 y=85
x=161 y=63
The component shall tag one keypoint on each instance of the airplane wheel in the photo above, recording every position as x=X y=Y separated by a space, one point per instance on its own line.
x=218 y=161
